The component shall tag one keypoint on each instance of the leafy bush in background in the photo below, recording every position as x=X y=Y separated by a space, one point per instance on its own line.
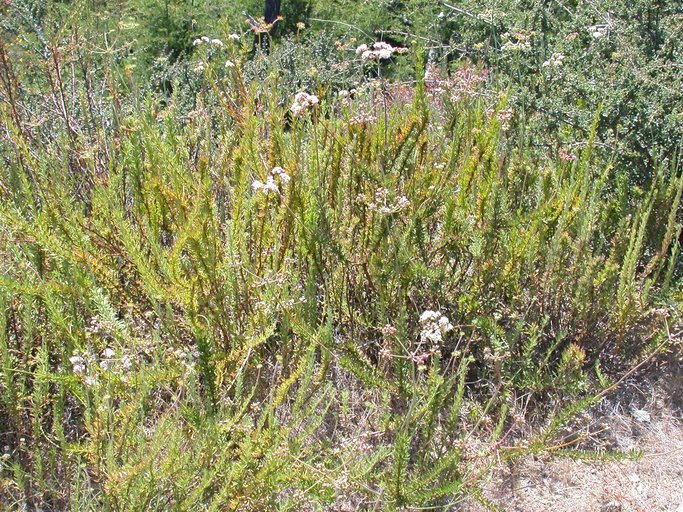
x=622 y=59
x=619 y=58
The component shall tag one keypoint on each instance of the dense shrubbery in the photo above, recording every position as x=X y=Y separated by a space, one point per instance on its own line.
x=211 y=299
x=620 y=58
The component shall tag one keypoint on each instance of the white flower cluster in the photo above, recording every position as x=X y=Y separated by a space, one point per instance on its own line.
x=187 y=357
x=78 y=364
x=206 y=40
x=517 y=41
x=302 y=102
x=597 y=31
x=382 y=205
x=379 y=51
x=102 y=327
x=109 y=361
x=84 y=365
x=275 y=176
x=280 y=174
x=388 y=330
x=362 y=118
x=504 y=116
x=344 y=93
x=434 y=326
x=514 y=46
x=555 y=60
x=465 y=83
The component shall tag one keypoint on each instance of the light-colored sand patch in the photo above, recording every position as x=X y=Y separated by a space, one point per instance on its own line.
x=651 y=483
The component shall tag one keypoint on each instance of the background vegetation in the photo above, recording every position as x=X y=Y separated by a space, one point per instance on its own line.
x=212 y=300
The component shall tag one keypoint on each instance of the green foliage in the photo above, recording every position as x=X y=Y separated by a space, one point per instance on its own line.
x=560 y=62
x=210 y=300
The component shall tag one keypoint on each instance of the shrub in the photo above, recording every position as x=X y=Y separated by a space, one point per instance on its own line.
x=213 y=300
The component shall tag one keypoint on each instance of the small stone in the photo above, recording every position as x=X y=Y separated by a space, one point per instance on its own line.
x=641 y=415
x=612 y=506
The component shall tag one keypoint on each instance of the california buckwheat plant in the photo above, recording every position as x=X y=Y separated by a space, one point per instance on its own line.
x=277 y=176
x=303 y=102
x=434 y=326
x=378 y=51
x=262 y=263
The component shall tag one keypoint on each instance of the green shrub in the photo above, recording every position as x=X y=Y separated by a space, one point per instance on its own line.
x=210 y=299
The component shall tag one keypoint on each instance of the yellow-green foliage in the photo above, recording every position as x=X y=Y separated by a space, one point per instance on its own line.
x=184 y=328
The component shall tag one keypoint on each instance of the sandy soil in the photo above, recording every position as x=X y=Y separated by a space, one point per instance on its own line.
x=646 y=416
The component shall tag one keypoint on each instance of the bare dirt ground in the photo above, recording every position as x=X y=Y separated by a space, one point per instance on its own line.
x=646 y=415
